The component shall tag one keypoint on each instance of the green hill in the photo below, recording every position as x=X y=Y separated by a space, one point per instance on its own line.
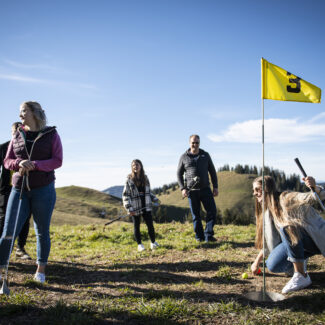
x=235 y=194
x=80 y=205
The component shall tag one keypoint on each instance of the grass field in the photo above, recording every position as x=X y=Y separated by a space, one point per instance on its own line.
x=96 y=276
x=234 y=190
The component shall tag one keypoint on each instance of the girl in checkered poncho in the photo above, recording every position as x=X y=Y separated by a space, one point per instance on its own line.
x=137 y=200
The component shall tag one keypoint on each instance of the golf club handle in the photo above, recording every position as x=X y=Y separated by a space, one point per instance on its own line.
x=302 y=171
x=22 y=187
x=312 y=188
x=300 y=167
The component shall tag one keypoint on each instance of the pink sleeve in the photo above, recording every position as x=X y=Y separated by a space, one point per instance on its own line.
x=10 y=161
x=56 y=160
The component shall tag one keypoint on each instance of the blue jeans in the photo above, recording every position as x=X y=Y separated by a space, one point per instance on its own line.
x=40 y=203
x=305 y=247
x=195 y=198
x=277 y=261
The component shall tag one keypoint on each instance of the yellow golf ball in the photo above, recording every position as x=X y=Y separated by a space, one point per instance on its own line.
x=244 y=275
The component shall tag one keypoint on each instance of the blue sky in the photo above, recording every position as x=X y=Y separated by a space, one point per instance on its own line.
x=133 y=79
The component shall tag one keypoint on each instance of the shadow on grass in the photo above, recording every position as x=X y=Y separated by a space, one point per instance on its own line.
x=197 y=296
x=218 y=244
x=65 y=314
x=312 y=303
x=164 y=273
x=199 y=266
x=62 y=276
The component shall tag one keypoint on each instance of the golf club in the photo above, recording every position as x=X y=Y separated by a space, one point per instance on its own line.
x=5 y=289
x=313 y=190
x=196 y=180
x=120 y=217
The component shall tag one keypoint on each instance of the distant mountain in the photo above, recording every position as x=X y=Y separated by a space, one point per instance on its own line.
x=115 y=191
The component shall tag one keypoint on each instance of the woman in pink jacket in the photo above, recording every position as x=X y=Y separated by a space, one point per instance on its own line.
x=33 y=153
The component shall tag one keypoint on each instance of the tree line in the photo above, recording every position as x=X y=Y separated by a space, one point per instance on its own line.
x=282 y=181
x=241 y=214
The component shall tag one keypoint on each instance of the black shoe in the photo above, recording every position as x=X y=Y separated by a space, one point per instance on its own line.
x=200 y=240
x=210 y=240
x=22 y=254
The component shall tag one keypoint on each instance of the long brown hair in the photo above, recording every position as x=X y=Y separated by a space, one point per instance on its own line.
x=272 y=203
x=140 y=178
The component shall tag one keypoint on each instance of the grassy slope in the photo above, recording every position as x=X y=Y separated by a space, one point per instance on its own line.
x=80 y=205
x=77 y=205
x=234 y=189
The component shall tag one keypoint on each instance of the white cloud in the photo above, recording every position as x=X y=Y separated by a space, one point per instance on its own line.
x=30 y=66
x=276 y=131
x=21 y=78
x=317 y=117
x=15 y=77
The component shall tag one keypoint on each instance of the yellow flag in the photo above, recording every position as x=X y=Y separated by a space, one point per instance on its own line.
x=279 y=84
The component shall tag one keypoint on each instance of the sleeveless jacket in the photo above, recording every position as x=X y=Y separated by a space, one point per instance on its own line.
x=41 y=150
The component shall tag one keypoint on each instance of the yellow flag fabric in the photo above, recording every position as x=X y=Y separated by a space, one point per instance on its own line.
x=279 y=84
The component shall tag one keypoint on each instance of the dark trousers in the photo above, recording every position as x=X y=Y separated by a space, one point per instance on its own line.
x=147 y=217
x=195 y=198
x=3 y=207
x=22 y=237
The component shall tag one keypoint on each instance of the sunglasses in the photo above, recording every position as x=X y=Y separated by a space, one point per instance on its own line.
x=195 y=142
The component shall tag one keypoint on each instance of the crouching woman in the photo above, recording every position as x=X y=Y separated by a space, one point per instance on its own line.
x=294 y=231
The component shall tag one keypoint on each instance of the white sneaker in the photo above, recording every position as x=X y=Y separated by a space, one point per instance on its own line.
x=39 y=277
x=140 y=248
x=297 y=282
x=154 y=245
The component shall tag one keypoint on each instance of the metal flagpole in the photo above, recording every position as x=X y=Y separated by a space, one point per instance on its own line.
x=263 y=295
x=263 y=199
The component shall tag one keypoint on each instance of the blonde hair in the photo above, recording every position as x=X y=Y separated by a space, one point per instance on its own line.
x=38 y=113
x=281 y=208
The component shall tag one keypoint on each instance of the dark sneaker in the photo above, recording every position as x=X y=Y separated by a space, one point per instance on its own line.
x=200 y=240
x=210 y=240
x=22 y=254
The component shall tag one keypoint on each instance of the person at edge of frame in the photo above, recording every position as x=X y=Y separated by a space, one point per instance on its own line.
x=196 y=163
x=294 y=230
x=5 y=189
x=34 y=152
x=138 y=200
